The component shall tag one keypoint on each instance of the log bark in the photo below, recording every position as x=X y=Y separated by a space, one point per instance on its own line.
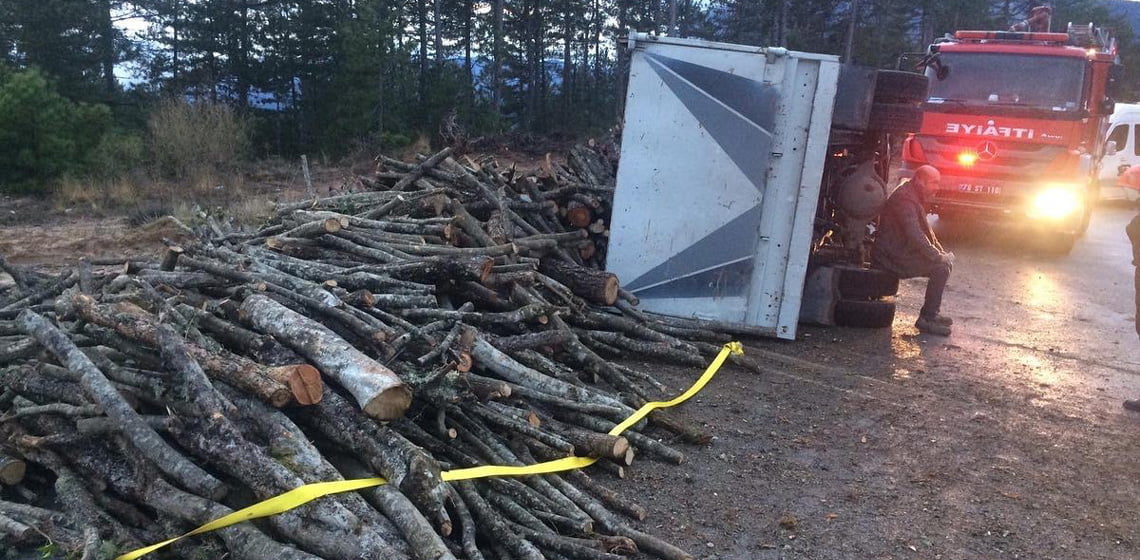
x=315 y=228
x=377 y=390
x=338 y=202
x=521 y=427
x=18 y=532
x=279 y=386
x=183 y=280
x=385 y=451
x=422 y=168
x=467 y=524
x=100 y=389
x=25 y=380
x=591 y=284
x=63 y=282
x=244 y=540
x=490 y=521
x=423 y=541
x=170 y=258
x=506 y=367
x=17 y=274
x=80 y=505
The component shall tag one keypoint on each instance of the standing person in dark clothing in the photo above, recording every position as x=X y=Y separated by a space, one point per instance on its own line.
x=1130 y=179
x=906 y=246
x=1133 y=231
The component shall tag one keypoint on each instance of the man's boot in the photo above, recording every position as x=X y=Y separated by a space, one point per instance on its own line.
x=931 y=325
x=943 y=320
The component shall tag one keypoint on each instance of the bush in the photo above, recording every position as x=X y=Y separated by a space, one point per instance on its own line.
x=194 y=143
x=43 y=135
x=118 y=154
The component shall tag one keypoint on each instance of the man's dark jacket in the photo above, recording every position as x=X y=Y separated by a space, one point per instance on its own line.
x=1133 y=231
x=904 y=243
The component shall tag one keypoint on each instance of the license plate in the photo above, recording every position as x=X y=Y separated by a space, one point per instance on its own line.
x=979 y=189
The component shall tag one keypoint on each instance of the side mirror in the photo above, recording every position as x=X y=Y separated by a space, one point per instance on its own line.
x=1115 y=80
x=1107 y=106
x=1110 y=148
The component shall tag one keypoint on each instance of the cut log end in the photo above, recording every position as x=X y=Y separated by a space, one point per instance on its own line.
x=626 y=458
x=465 y=362
x=390 y=404
x=170 y=258
x=579 y=217
x=304 y=383
x=489 y=389
x=361 y=298
x=620 y=448
x=332 y=225
x=610 y=291
x=11 y=470
x=587 y=250
x=485 y=270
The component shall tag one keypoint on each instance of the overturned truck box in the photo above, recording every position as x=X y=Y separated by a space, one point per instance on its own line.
x=731 y=158
x=721 y=160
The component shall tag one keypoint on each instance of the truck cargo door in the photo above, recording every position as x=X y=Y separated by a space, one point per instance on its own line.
x=721 y=158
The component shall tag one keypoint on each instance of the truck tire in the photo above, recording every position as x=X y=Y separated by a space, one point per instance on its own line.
x=895 y=117
x=873 y=314
x=1060 y=244
x=1086 y=216
x=897 y=86
x=866 y=283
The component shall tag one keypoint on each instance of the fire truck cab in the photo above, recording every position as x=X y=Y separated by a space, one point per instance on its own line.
x=1016 y=123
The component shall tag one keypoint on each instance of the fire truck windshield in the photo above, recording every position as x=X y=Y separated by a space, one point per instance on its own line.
x=1026 y=82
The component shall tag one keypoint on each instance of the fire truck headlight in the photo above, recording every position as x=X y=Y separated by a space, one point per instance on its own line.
x=1055 y=202
x=967 y=158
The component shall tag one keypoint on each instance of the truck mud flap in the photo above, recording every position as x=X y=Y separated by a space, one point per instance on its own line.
x=896 y=86
x=871 y=314
x=895 y=117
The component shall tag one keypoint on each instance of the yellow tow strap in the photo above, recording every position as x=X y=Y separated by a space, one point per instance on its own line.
x=309 y=492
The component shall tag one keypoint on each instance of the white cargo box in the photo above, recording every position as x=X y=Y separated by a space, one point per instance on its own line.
x=722 y=155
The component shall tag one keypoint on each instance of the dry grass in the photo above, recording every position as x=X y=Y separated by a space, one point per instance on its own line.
x=252 y=211
x=99 y=194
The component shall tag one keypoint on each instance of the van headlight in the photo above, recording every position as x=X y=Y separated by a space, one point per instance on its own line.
x=1055 y=202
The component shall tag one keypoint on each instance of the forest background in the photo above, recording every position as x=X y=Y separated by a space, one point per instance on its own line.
x=107 y=101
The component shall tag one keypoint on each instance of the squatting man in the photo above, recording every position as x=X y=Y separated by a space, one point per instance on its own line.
x=905 y=245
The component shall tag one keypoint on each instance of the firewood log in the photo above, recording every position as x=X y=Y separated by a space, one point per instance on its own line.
x=378 y=391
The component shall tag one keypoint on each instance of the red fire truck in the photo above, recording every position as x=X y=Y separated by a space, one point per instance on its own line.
x=1015 y=121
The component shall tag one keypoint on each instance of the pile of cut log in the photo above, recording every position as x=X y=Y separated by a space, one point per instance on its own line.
x=455 y=315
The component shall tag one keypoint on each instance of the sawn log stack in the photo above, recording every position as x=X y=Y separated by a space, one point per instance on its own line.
x=454 y=314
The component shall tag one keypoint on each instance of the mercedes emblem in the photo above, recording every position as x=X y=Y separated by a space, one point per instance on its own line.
x=987 y=151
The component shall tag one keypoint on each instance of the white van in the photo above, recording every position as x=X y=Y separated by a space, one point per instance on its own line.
x=1124 y=130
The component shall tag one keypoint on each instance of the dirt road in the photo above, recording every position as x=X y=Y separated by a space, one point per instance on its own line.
x=1005 y=440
